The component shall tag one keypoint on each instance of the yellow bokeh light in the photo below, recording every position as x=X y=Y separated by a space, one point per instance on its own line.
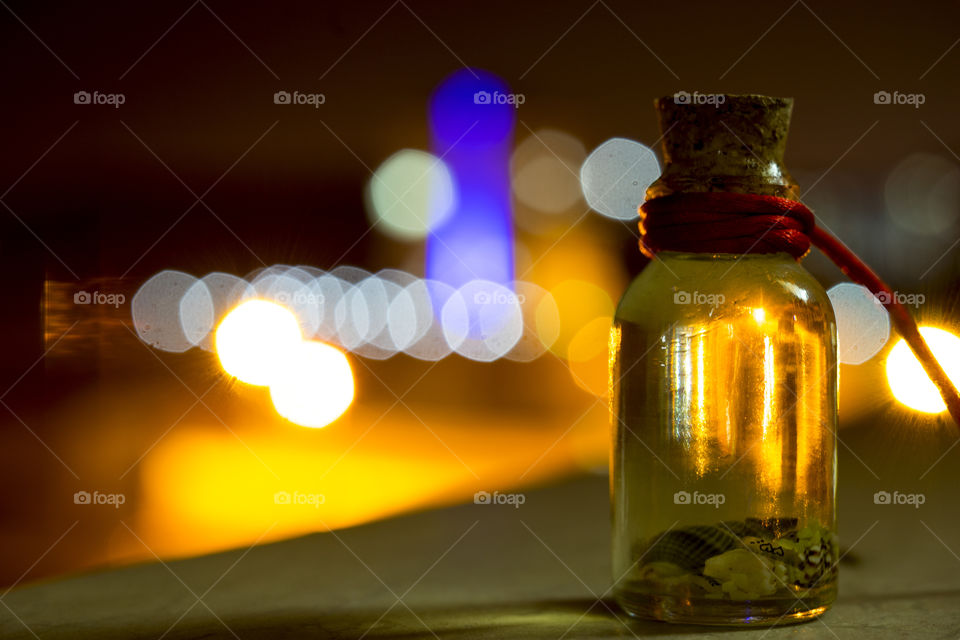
x=587 y=356
x=909 y=382
x=578 y=303
x=410 y=194
x=315 y=385
x=255 y=340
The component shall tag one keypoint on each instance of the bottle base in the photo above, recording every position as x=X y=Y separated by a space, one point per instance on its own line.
x=709 y=611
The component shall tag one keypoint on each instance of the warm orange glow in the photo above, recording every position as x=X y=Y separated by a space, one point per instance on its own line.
x=771 y=445
x=809 y=416
x=613 y=375
x=255 y=339
x=581 y=272
x=206 y=489
x=578 y=302
x=587 y=356
x=907 y=379
x=701 y=436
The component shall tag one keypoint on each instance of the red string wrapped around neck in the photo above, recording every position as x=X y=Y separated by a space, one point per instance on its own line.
x=738 y=223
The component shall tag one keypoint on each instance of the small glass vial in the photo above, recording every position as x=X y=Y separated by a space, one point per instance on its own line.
x=724 y=396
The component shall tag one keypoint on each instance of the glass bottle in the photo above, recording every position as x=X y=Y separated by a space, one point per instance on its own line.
x=724 y=400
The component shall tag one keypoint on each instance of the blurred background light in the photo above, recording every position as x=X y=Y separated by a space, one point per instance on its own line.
x=290 y=288
x=482 y=320
x=471 y=127
x=222 y=291
x=329 y=290
x=615 y=177
x=863 y=324
x=197 y=313
x=922 y=194
x=578 y=302
x=373 y=316
x=373 y=292
x=255 y=341
x=426 y=339
x=909 y=382
x=314 y=386
x=547 y=320
x=546 y=168
x=156 y=311
x=536 y=306
x=351 y=315
x=587 y=356
x=379 y=293
x=409 y=194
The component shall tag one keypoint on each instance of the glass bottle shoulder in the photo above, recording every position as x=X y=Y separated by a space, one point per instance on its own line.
x=676 y=287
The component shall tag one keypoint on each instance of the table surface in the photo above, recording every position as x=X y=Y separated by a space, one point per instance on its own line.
x=540 y=570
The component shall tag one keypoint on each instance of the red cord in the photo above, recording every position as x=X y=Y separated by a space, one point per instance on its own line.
x=719 y=222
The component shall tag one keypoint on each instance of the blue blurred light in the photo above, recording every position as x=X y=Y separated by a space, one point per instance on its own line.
x=472 y=114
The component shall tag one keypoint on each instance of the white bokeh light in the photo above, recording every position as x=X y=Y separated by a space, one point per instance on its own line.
x=378 y=294
x=482 y=320
x=538 y=306
x=329 y=291
x=255 y=340
x=615 y=177
x=224 y=291
x=156 y=311
x=315 y=385
x=863 y=324
x=197 y=313
x=374 y=316
x=428 y=298
x=290 y=287
x=352 y=317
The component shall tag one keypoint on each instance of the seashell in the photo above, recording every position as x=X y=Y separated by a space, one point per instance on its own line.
x=744 y=575
x=690 y=547
x=717 y=553
x=817 y=548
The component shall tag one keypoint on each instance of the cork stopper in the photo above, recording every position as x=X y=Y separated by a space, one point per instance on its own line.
x=722 y=142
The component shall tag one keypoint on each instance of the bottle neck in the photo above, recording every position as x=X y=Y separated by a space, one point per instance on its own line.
x=733 y=144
